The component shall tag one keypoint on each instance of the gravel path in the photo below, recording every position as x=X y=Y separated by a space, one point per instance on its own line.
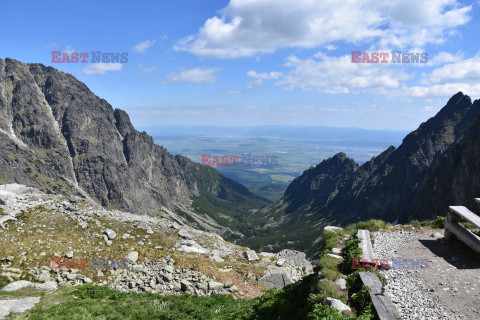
x=449 y=288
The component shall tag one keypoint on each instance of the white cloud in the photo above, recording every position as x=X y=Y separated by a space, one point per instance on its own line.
x=449 y=79
x=463 y=71
x=195 y=75
x=259 y=77
x=143 y=46
x=248 y=27
x=102 y=68
x=339 y=75
x=445 y=57
x=264 y=76
x=444 y=90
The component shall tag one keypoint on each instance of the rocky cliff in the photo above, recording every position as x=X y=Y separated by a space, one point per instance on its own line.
x=59 y=136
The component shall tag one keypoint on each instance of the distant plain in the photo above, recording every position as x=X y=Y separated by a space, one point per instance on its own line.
x=295 y=148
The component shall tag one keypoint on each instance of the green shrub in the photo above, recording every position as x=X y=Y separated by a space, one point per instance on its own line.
x=352 y=250
x=321 y=312
x=415 y=224
x=372 y=225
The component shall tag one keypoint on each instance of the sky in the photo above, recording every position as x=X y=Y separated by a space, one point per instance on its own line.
x=257 y=62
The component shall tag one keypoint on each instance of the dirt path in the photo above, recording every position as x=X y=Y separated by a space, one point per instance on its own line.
x=448 y=288
x=453 y=273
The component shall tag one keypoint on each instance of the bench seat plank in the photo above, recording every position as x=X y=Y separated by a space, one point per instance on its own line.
x=384 y=306
x=365 y=244
x=466 y=214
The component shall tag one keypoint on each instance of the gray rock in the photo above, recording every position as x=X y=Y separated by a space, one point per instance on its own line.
x=18 y=285
x=110 y=234
x=276 y=280
x=132 y=256
x=2 y=202
x=47 y=286
x=44 y=277
x=336 y=251
x=184 y=234
x=251 y=255
x=341 y=283
x=10 y=258
x=74 y=199
x=337 y=304
x=281 y=262
x=125 y=236
x=213 y=285
x=332 y=228
x=8 y=306
x=69 y=255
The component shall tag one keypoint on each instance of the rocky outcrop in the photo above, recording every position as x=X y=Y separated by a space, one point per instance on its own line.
x=182 y=259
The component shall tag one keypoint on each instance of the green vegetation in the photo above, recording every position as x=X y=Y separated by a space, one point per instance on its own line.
x=299 y=301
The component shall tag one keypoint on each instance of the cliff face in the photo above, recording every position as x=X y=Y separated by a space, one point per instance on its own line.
x=456 y=181
x=56 y=133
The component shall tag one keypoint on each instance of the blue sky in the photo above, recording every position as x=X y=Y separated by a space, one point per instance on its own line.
x=254 y=62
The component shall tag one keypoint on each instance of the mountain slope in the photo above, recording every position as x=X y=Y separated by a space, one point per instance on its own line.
x=57 y=134
x=388 y=187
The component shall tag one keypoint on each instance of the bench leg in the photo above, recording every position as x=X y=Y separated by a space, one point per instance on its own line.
x=448 y=235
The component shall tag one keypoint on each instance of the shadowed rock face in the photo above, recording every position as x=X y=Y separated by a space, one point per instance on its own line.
x=456 y=181
x=387 y=186
x=53 y=124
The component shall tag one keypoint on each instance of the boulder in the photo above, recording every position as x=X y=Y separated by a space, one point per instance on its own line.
x=276 y=280
x=2 y=202
x=332 y=228
x=8 y=306
x=213 y=285
x=69 y=255
x=132 y=256
x=251 y=255
x=18 y=285
x=110 y=234
x=336 y=251
x=341 y=283
x=44 y=277
x=47 y=286
x=184 y=234
x=337 y=304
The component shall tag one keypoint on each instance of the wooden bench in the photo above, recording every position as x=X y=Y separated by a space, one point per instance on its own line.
x=382 y=303
x=365 y=244
x=453 y=228
x=385 y=308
